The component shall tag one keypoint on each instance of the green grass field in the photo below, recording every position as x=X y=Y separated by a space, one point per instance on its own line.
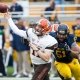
x=9 y=71
x=9 y=76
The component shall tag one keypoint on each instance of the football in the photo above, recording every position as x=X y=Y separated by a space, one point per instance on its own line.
x=3 y=8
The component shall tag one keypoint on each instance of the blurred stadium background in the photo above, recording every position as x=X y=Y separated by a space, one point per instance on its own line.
x=67 y=12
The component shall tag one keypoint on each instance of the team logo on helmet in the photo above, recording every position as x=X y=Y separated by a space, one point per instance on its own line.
x=62 y=32
x=63 y=29
x=45 y=24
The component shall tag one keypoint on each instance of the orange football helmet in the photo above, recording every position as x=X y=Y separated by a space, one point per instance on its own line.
x=45 y=25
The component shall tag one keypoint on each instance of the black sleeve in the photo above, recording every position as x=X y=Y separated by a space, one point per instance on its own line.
x=52 y=47
x=3 y=39
x=26 y=41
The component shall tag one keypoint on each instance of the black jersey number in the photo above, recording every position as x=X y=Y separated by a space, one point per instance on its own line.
x=60 y=54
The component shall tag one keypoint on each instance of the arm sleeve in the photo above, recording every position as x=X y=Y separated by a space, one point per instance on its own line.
x=16 y=30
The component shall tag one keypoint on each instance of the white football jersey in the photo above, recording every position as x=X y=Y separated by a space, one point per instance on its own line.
x=42 y=42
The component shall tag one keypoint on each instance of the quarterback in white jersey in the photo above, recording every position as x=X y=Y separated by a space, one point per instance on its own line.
x=41 y=44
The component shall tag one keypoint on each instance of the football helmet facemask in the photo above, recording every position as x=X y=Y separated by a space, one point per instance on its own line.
x=43 y=26
x=62 y=32
x=63 y=29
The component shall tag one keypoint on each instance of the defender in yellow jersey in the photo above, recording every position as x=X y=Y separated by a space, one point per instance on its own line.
x=76 y=30
x=66 y=54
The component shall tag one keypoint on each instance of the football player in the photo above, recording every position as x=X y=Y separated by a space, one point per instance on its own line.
x=76 y=30
x=39 y=40
x=66 y=54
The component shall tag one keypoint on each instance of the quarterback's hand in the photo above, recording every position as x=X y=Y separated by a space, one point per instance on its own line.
x=7 y=15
